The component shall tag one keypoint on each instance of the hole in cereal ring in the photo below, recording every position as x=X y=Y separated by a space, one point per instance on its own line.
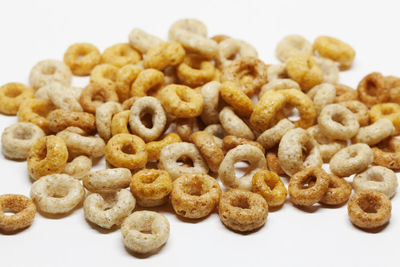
x=310 y=182
x=128 y=149
x=375 y=177
x=22 y=134
x=241 y=168
x=368 y=204
x=146 y=117
x=194 y=187
x=338 y=117
x=185 y=161
x=148 y=179
x=241 y=202
x=371 y=88
x=59 y=192
x=13 y=93
x=9 y=212
x=42 y=153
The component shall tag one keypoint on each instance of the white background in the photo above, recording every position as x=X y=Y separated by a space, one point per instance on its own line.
x=35 y=30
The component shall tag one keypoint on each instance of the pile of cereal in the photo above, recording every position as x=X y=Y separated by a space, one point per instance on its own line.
x=172 y=117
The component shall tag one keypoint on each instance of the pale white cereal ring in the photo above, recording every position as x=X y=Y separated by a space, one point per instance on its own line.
x=106 y=181
x=217 y=131
x=322 y=95
x=104 y=114
x=374 y=133
x=231 y=49
x=351 y=159
x=145 y=231
x=48 y=71
x=109 y=209
x=292 y=44
x=330 y=70
x=233 y=125
x=143 y=41
x=18 y=138
x=277 y=71
x=248 y=153
x=57 y=193
x=210 y=93
x=43 y=92
x=278 y=84
x=273 y=136
x=62 y=97
x=147 y=105
x=78 y=167
x=376 y=178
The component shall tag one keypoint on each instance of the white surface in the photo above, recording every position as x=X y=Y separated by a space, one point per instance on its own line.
x=36 y=30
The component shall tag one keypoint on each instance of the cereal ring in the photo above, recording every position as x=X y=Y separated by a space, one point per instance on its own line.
x=126 y=151
x=304 y=69
x=147 y=105
x=374 y=133
x=230 y=49
x=96 y=94
x=278 y=84
x=237 y=99
x=273 y=163
x=163 y=55
x=48 y=155
x=210 y=151
x=291 y=45
x=48 y=71
x=390 y=111
x=18 y=138
x=330 y=70
x=104 y=114
x=339 y=191
x=127 y=104
x=120 y=123
x=181 y=101
x=298 y=150
x=195 y=71
x=351 y=159
x=107 y=181
x=369 y=209
x=35 y=111
x=23 y=208
x=210 y=93
x=334 y=49
x=145 y=231
x=220 y=37
x=104 y=74
x=126 y=76
x=249 y=153
x=148 y=82
x=78 y=167
x=388 y=154
x=195 y=196
x=393 y=83
x=270 y=187
x=233 y=125
x=60 y=119
x=308 y=186
x=376 y=178
x=359 y=109
x=171 y=153
x=249 y=73
x=11 y=97
x=44 y=92
x=242 y=210
x=185 y=128
x=57 y=193
x=338 y=122
x=81 y=58
x=322 y=95
x=345 y=93
x=154 y=148
x=231 y=141
x=142 y=41
x=62 y=98
x=372 y=89
x=271 y=137
x=79 y=144
x=108 y=210
x=120 y=55
x=327 y=146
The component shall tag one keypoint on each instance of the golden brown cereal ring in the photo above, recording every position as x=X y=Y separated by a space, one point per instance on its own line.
x=96 y=94
x=57 y=193
x=388 y=154
x=273 y=163
x=233 y=125
x=304 y=69
x=163 y=55
x=148 y=82
x=231 y=141
x=210 y=93
x=104 y=74
x=11 y=97
x=359 y=109
x=369 y=209
x=270 y=187
x=195 y=71
x=345 y=93
x=335 y=50
x=120 y=55
x=298 y=150
x=154 y=148
x=106 y=181
x=104 y=114
x=142 y=41
x=23 y=208
x=291 y=45
x=230 y=49
x=242 y=210
x=210 y=151
x=339 y=191
x=271 y=137
x=195 y=196
x=35 y=111
x=318 y=183
x=18 y=138
x=127 y=104
x=249 y=73
x=79 y=144
x=374 y=133
x=48 y=155
x=249 y=153
x=110 y=209
x=60 y=119
x=145 y=231
x=181 y=101
x=120 y=123
x=185 y=128
x=237 y=99
x=390 y=111
x=351 y=159
x=322 y=94
x=81 y=58
x=393 y=83
x=78 y=167
x=49 y=71
x=376 y=178
x=330 y=70
x=126 y=151
x=171 y=153
x=338 y=122
x=372 y=89
x=126 y=76
x=278 y=84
